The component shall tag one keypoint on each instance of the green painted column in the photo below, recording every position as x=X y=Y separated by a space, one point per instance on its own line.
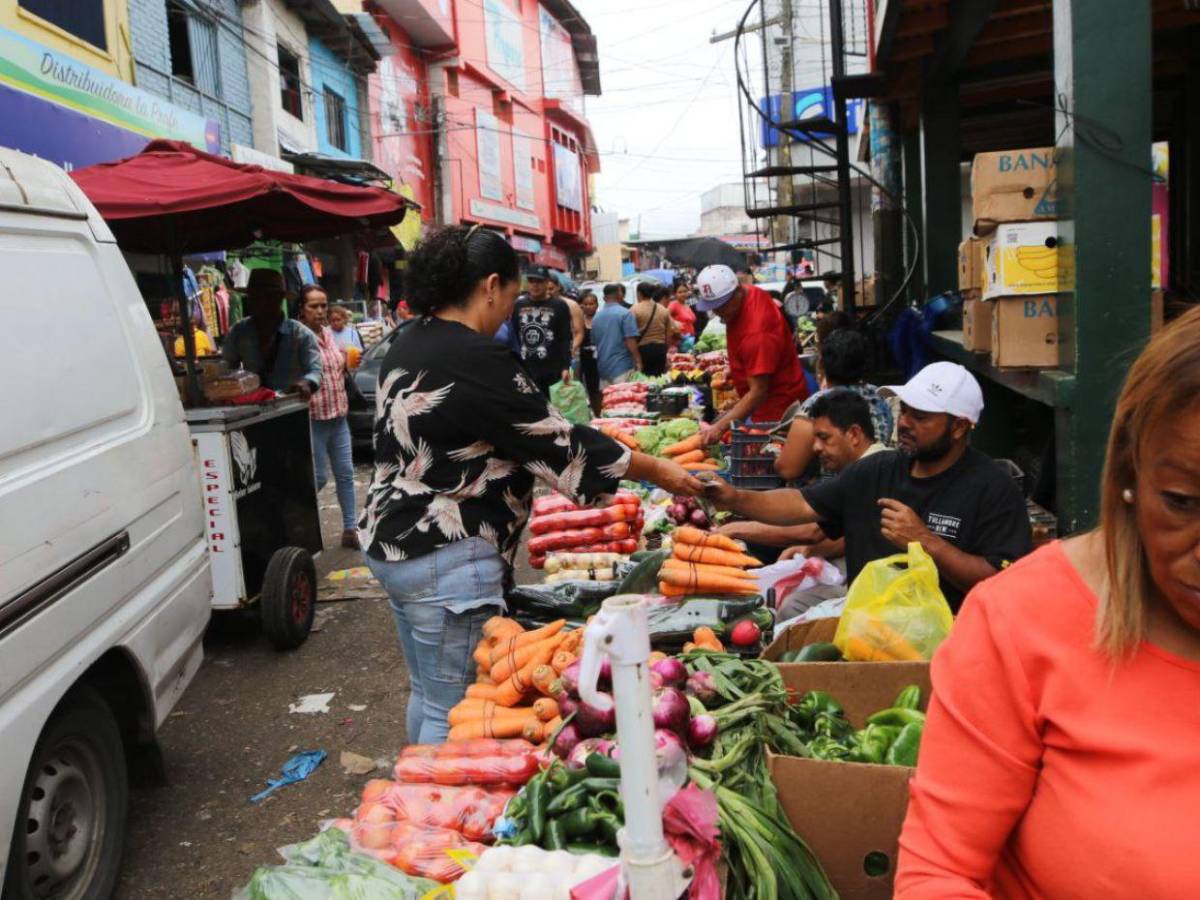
x=1104 y=91
x=941 y=214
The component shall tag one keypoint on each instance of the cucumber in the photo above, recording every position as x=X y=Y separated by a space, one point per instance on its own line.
x=643 y=577
x=818 y=653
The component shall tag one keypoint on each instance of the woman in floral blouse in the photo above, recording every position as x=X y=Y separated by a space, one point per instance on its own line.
x=461 y=434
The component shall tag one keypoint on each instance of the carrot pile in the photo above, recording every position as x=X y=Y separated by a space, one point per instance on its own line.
x=706 y=563
x=690 y=454
x=517 y=684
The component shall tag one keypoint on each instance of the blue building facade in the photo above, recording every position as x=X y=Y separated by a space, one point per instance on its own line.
x=193 y=54
x=337 y=98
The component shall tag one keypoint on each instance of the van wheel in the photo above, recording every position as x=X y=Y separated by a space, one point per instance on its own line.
x=71 y=816
x=289 y=598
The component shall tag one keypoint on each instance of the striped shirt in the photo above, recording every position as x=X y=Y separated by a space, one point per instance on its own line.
x=330 y=401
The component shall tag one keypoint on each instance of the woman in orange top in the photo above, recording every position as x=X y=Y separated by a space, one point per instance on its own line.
x=1060 y=757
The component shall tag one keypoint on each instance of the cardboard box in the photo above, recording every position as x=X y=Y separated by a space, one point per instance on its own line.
x=1025 y=332
x=1013 y=186
x=818 y=631
x=1025 y=258
x=977 y=323
x=825 y=801
x=971 y=255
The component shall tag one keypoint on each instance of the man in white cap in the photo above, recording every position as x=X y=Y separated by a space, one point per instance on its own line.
x=763 y=361
x=935 y=489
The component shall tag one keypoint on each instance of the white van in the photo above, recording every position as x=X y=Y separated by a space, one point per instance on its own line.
x=104 y=577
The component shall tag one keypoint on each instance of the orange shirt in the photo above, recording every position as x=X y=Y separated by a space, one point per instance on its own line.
x=1045 y=771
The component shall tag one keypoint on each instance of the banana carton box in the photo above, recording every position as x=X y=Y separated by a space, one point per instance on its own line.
x=1023 y=258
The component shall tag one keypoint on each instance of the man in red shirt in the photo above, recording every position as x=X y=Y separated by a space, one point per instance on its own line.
x=762 y=353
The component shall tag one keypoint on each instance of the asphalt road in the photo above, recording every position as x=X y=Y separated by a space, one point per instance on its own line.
x=199 y=835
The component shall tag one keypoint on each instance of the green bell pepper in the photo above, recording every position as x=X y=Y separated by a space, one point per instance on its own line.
x=896 y=716
x=872 y=743
x=578 y=822
x=556 y=838
x=909 y=698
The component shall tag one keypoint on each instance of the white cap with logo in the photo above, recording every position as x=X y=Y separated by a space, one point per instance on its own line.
x=714 y=286
x=941 y=387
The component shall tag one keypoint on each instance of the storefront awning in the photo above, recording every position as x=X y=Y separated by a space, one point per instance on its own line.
x=208 y=202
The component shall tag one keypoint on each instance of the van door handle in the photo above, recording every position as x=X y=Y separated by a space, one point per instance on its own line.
x=55 y=586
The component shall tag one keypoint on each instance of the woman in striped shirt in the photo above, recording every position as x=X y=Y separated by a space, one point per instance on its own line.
x=328 y=409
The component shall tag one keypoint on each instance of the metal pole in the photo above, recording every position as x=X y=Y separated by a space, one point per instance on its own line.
x=191 y=382
x=784 y=184
x=846 y=232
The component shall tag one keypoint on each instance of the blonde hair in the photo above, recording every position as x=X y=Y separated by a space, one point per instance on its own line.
x=1163 y=382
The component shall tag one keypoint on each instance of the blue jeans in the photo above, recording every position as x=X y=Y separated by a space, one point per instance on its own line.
x=440 y=602
x=331 y=444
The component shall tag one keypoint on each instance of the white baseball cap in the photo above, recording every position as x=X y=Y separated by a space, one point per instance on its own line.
x=941 y=387
x=714 y=286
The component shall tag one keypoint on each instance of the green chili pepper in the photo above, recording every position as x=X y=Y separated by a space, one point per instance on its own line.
x=577 y=795
x=521 y=838
x=872 y=743
x=539 y=794
x=907 y=745
x=896 y=716
x=602 y=766
x=607 y=826
x=909 y=698
x=608 y=802
x=578 y=822
x=815 y=702
x=555 y=839
x=822 y=747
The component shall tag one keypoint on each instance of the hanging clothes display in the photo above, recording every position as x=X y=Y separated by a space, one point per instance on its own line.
x=306 y=271
x=238 y=274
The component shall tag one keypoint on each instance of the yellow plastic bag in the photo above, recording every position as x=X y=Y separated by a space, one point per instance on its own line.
x=895 y=610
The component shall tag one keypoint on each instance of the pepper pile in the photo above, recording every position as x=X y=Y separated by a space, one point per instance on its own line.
x=891 y=737
x=570 y=809
x=558 y=524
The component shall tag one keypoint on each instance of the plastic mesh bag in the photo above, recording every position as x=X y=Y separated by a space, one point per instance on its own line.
x=894 y=610
x=471 y=811
x=571 y=399
x=419 y=850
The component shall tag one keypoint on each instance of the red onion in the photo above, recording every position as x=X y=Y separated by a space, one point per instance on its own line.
x=570 y=678
x=567 y=705
x=702 y=730
x=670 y=709
x=566 y=741
x=699 y=519
x=593 y=722
x=656 y=681
x=668 y=748
x=579 y=753
x=701 y=686
x=673 y=671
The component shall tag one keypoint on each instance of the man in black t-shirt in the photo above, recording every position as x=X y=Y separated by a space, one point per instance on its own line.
x=936 y=490
x=541 y=331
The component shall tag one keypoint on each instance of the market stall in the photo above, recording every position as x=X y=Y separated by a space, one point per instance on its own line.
x=253 y=446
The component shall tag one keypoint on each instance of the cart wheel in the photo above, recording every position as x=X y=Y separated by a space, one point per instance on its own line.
x=289 y=598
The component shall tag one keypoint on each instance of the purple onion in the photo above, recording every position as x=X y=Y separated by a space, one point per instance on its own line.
x=570 y=678
x=670 y=709
x=699 y=518
x=592 y=721
x=567 y=705
x=701 y=686
x=656 y=681
x=668 y=748
x=673 y=671
x=702 y=730
x=567 y=740
x=579 y=753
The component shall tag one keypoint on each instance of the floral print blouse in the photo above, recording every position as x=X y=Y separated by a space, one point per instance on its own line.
x=461 y=433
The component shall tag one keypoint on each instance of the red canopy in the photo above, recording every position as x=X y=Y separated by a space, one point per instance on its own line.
x=213 y=203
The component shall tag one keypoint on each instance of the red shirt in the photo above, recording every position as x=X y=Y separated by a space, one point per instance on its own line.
x=683 y=314
x=330 y=400
x=760 y=343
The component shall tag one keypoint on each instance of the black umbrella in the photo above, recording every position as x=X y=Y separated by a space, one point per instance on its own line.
x=706 y=251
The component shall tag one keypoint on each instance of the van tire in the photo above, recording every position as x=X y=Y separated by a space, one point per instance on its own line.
x=288 y=601
x=76 y=794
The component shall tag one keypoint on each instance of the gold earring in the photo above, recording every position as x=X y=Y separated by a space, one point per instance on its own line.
x=1127 y=495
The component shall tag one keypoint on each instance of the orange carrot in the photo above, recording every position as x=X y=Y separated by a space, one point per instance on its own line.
x=696 y=582
x=684 y=446
x=483 y=655
x=498 y=627
x=692 y=456
x=562 y=660
x=481 y=692
x=670 y=590
x=688 y=535
x=545 y=679
x=708 y=569
x=545 y=708
x=702 y=467
x=572 y=641
x=512 y=688
x=692 y=553
x=468 y=710
x=518 y=659
x=526 y=638
x=706 y=639
x=534 y=732
x=492 y=728
x=626 y=439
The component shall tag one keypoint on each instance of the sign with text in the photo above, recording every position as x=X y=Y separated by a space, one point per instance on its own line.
x=813 y=103
x=568 y=180
x=487 y=141
x=560 y=74
x=523 y=169
x=505 y=42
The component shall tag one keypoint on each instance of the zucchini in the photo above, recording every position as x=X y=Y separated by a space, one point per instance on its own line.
x=643 y=578
x=818 y=653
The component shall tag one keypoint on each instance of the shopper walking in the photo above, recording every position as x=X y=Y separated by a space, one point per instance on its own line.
x=615 y=334
x=654 y=328
x=588 y=368
x=343 y=329
x=1059 y=754
x=681 y=311
x=542 y=331
x=328 y=409
x=462 y=434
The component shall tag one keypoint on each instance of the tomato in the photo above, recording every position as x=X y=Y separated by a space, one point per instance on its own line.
x=745 y=634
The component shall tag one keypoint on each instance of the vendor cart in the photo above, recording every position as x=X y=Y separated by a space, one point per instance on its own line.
x=261 y=514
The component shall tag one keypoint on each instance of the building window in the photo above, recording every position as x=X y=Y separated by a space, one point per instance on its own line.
x=289 y=83
x=335 y=120
x=82 y=18
x=193 y=44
